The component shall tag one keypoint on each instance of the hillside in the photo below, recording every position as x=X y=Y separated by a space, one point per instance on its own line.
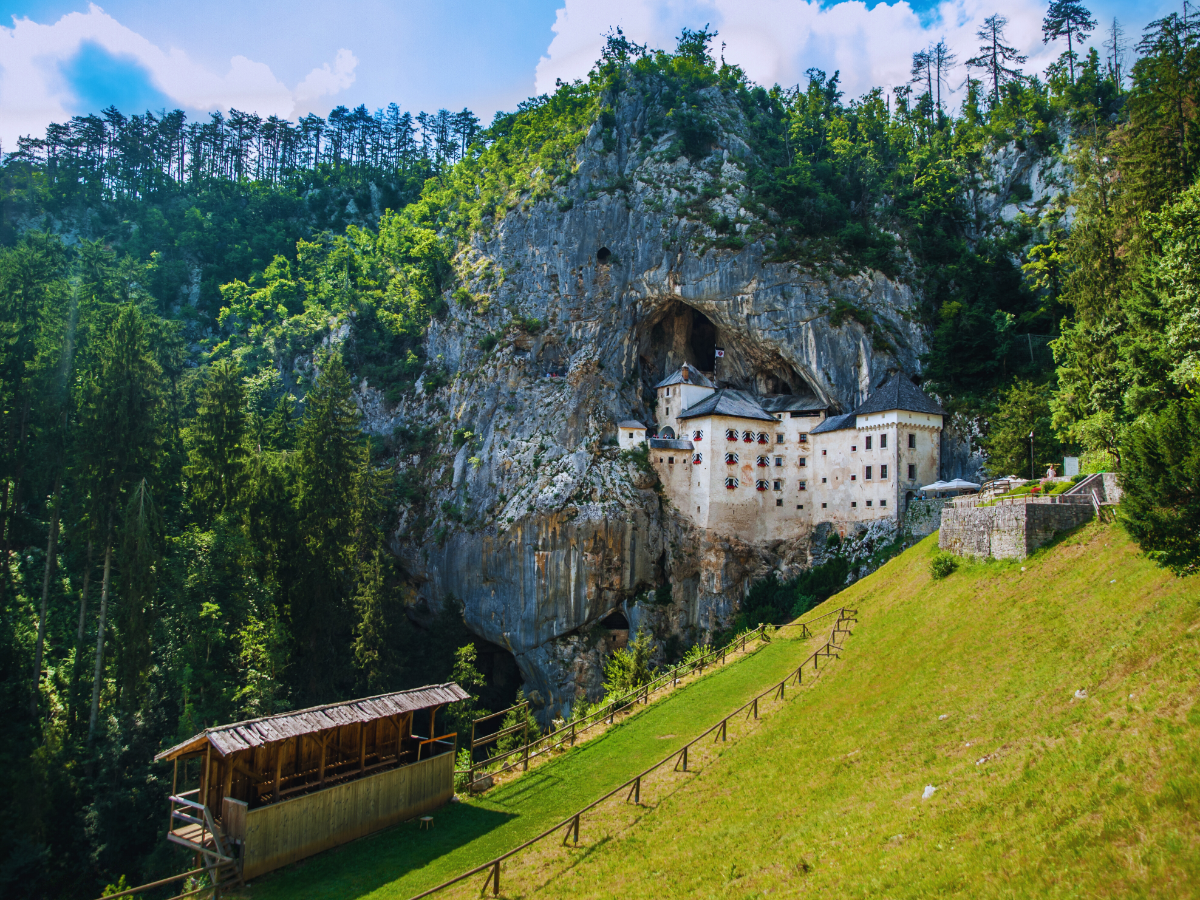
x=968 y=685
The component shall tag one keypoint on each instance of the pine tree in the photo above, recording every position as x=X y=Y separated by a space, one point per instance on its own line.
x=1069 y=19
x=216 y=467
x=995 y=57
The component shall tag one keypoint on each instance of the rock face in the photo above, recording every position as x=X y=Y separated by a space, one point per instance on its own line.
x=539 y=527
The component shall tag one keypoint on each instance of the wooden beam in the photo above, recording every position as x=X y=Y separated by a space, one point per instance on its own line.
x=205 y=778
x=324 y=747
x=227 y=782
x=362 y=746
x=278 y=769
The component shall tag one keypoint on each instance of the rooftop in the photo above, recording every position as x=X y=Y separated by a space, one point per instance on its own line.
x=695 y=376
x=243 y=735
x=899 y=393
x=631 y=423
x=670 y=444
x=835 y=423
x=792 y=403
x=728 y=402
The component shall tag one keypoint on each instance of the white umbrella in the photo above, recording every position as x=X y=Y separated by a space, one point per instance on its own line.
x=936 y=486
x=959 y=485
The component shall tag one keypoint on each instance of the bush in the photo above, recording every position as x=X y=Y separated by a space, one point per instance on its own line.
x=629 y=668
x=942 y=565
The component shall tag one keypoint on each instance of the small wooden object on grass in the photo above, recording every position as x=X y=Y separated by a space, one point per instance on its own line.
x=426 y=822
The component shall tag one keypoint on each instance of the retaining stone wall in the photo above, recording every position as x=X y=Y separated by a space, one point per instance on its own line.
x=923 y=517
x=1008 y=531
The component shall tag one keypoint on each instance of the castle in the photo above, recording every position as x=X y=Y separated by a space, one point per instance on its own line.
x=771 y=468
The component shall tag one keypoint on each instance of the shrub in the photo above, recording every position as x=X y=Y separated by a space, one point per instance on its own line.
x=629 y=667
x=942 y=565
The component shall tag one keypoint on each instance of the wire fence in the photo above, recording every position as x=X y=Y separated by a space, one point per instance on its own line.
x=569 y=826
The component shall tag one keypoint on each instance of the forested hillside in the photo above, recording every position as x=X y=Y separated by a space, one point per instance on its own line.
x=195 y=527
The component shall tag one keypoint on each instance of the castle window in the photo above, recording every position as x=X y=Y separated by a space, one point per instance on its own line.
x=731 y=459
x=761 y=485
x=763 y=461
x=854 y=504
x=883 y=473
x=670 y=460
x=804 y=438
x=697 y=459
x=912 y=473
x=804 y=485
x=854 y=478
x=883 y=442
x=823 y=505
x=631 y=435
x=824 y=480
x=779 y=438
x=779 y=503
x=777 y=485
x=779 y=461
x=803 y=461
x=854 y=448
x=824 y=452
x=731 y=434
x=883 y=503
x=747 y=436
x=912 y=442
x=868 y=475
x=799 y=506
x=762 y=437
x=697 y=435
x=731 y=483
x=868 y=503
x=868 y=443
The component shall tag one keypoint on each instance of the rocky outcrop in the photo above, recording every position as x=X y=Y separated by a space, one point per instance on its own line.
x=572 y=309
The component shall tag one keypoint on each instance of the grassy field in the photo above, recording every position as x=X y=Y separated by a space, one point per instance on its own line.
x=403 y=861
x=967 y=685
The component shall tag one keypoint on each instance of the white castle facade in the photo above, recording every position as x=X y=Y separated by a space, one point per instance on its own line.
x=771 y=468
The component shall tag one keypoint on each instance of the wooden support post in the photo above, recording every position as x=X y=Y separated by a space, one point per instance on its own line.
x=724 y=722
x=324 y=748
x=205 y=779
x=226 y=782
x=637 y=791
x=496 y=880
x=278 y=771
x=756 y=707
x=577 y=829
x=525 y=740
x=174 y=791
x=432 y=714
x=362 y=745
x=573 y=732
x=685 y=750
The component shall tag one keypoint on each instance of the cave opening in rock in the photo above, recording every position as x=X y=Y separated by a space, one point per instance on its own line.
x=603 y=255
x=615 y=621
x=500 y=673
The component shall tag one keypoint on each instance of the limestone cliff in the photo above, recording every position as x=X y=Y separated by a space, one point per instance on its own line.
x=572 y=309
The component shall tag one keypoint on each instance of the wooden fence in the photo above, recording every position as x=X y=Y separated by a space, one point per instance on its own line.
x=568 y=733
x=569 y=827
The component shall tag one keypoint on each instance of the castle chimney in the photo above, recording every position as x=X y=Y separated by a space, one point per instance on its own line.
x=684 y=373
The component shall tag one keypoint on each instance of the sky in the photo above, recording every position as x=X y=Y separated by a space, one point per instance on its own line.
x=60 y=58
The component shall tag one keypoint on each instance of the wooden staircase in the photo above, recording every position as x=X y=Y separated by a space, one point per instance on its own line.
x=193 y=827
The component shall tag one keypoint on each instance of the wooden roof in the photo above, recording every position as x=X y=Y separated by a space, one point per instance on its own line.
x=231 y=738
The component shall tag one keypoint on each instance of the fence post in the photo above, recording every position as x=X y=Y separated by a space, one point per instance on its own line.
x=577 y=829
x=685 y=750
x=675 y=677
x=756 y=707
x=637 y=791
x=723 y=724
x=496 y=879
x=572 y=732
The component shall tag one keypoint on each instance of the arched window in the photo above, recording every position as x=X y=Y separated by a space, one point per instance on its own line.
x=747 y=436
x=697 y=459
x=667 y=434
x=731 y=459
x=762 y=485
x=697 y=435
x=731 y=434
x=731 y=483
x=762 y=437
x=763 y=461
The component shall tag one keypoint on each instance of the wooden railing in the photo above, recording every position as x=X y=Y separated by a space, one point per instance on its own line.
x=568 y=733
x=569 y=826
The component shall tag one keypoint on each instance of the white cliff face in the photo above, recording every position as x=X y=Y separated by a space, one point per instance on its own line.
x=536 y=523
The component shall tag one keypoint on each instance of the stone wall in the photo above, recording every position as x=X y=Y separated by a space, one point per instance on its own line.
x=1008 y=531
x=923 y=517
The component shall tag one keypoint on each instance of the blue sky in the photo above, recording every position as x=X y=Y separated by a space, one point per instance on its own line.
x=59 y=57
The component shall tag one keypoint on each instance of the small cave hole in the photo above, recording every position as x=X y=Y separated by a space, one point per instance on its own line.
x=615 y=621
x=603 y=255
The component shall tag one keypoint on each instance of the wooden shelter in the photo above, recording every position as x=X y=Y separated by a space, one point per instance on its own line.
x=277 y=789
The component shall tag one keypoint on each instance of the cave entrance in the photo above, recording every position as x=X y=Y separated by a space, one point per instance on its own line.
x=680 y=334
x=615 y=621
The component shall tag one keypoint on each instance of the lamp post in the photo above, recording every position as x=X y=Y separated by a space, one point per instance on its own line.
x=1032 y=475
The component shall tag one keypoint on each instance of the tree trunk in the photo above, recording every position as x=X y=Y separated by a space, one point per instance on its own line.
x=47 y=577
x=87 y=578
x=108 y=548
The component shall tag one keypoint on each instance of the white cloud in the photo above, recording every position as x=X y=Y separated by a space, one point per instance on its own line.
x=775 y=41
x=33 y=92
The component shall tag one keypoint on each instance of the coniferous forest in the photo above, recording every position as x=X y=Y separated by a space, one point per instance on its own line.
x=193 y=526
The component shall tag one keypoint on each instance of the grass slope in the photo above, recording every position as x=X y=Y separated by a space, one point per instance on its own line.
x=401 y=862
x=968 y=685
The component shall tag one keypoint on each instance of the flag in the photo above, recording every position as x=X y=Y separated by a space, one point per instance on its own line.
x=720 y=352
